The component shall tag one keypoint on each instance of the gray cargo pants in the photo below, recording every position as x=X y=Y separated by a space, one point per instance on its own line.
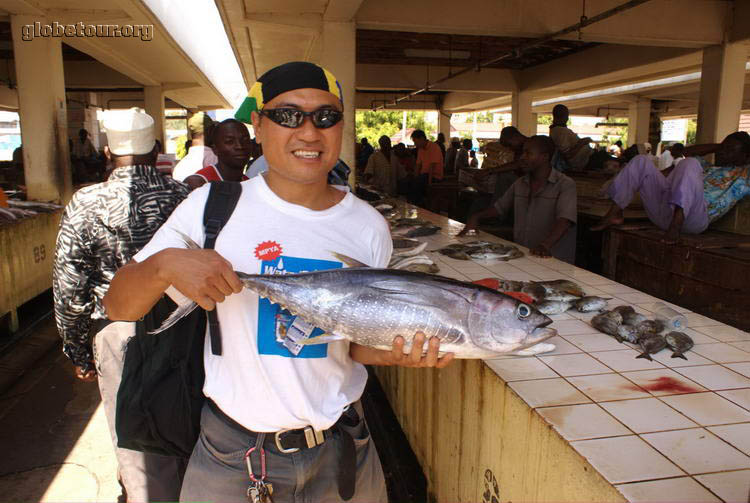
x=217 y=471
x=145 y=477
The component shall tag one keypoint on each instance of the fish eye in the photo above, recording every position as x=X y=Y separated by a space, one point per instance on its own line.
x=523 y=311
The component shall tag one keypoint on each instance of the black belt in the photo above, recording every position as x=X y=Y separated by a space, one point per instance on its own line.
x=290 y=441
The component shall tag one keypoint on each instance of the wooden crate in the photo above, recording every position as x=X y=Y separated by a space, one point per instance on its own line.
x=706 y=273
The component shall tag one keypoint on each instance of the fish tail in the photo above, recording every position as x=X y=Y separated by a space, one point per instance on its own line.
x=646 y=356
x=187 y=240
x=678 y=355
x=177 y=315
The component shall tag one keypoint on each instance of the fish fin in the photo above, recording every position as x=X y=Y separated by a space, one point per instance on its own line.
x=646 y=356
x=176 y=316
x=350 y=262
x=679 y=355
x=187 y=240
x=321 y=339
x=403 y=288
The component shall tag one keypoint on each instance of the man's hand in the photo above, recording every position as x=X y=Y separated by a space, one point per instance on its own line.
x=86 y=376
x=541 y=250
x=201 y=275
x=471 y=225
x=414 y=358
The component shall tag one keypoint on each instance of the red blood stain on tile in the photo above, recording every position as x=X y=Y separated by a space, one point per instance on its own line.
x=667 y=384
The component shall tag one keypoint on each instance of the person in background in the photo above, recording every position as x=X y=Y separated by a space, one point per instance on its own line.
x=429 y=166
x=543 y=202
x=306 y=414
x=462 y=156
x=365 y=151
x=473 y=162
x=382 y=167
x=232 y=146
x=670 y=157
x=165 y=163
x=692 y=195
x=200 y=155
x=616 y=149
x=450 y=157
x=441 y=143
x=101 y=229
x=85 y=158
x=574 y=150
x=406 y=164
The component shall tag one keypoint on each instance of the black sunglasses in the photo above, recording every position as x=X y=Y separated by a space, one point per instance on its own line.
x=323 y=118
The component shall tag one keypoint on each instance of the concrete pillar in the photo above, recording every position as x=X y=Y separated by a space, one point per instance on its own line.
x=43 y=112
x=522 y=116
x=444 y=125
x=722 y=85
x=639 y=117
x=338 y=56
x=153 y=97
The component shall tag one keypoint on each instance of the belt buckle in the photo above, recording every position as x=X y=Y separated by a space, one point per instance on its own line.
x=313 y=437
x=280 y=447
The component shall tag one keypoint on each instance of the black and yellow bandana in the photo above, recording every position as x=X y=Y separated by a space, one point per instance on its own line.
x=283 y=78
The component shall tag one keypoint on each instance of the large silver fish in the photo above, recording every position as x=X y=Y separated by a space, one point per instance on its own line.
x=372 y=306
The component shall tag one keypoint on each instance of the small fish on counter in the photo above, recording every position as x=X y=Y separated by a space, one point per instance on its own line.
x=591 y=304
x=405 y=247
x=550 y=307
x=680 y=343
x=628 y=333
x=414 y=263
x=633 y=318
x=481 y=250
x=651 y=344
x=650 y=327
x=415 y=230
x=624 y=310
x=608 y=322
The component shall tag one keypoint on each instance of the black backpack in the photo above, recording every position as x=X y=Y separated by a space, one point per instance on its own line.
x=160 y=397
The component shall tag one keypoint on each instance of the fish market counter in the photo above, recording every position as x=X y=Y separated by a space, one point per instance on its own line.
x=27 y=246
x=587 y=421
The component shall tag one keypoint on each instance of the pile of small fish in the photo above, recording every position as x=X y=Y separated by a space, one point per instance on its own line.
x=407 y=255
x=625 y=324
x=481 y=250
x=413 y=227
x=556 y=296
x=18 y=209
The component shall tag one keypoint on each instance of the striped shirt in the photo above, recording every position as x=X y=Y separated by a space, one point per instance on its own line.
x=101 y=229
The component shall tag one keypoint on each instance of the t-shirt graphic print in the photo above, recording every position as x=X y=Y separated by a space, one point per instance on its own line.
x=278 y=330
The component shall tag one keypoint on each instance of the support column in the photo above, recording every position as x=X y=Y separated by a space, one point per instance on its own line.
x=522 y=117
x=444 y=125
x=43 y=112
x=639 y=117
x=338 y=56
x=722 y=85
x=153 y=97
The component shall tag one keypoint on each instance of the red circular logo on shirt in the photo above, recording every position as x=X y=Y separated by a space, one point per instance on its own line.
x=268 y=250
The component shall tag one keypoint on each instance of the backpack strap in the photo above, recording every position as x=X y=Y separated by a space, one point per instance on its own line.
x=221 y=202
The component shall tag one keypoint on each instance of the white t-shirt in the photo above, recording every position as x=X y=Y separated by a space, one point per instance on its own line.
x=257 y=381
x=197 y=158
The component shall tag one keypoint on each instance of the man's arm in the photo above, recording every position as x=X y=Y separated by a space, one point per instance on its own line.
x=203 y=276
x=701 y=150
x=74 y=266
x=572 y=151
x=544 y=249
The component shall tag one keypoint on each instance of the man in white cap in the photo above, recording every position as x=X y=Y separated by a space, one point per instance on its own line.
x=102 y=227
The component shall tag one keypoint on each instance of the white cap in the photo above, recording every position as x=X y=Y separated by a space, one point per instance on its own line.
x=129 y=132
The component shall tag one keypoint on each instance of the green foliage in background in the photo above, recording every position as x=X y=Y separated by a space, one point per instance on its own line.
x=372 y=125
x=545 y=120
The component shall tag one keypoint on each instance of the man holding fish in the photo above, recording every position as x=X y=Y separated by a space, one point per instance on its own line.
x=270 y=389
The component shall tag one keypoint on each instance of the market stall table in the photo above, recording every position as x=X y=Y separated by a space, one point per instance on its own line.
x=586 y=422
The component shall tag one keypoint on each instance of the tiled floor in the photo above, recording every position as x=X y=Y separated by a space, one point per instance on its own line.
x=662 y=430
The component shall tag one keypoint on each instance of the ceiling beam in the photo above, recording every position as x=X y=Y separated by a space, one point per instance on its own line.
x=341 y=10
x=405 y=77
x=472 y=101
x=23 y=7
x=309 y=23
x=698 y=23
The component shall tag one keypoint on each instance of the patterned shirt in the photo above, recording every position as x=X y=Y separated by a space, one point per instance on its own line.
x=723 y=187
x=101 y=229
